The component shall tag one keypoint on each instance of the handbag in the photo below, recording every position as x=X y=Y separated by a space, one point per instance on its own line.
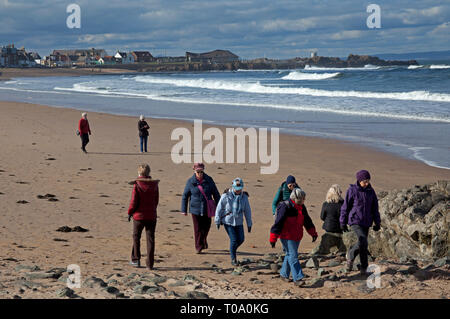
x=211 y=204
x=78 y=133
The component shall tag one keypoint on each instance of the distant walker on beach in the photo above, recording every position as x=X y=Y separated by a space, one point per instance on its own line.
x=143 y=128
x=84 y=131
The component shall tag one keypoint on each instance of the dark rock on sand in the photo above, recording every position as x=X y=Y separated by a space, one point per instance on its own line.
x=94 y=282
x=196 y=295
x=65 y=292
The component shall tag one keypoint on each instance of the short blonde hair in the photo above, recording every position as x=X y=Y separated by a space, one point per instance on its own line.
x=334 y=194
x=144 y=170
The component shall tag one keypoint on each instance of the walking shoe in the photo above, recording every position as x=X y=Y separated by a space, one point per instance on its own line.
x=285 y=279
x=299 y=283
x=363 y=273
x=136 y=264
x=234 y=262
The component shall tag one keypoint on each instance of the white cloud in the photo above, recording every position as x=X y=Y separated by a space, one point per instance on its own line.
x=346 y=35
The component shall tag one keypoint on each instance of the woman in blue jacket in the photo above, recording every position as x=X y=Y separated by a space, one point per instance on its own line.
x=197 y=187
x=230 y=212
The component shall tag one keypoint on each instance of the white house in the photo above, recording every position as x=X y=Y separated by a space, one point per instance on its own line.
x=124 y=58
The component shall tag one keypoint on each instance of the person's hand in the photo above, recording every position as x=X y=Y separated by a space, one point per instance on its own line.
x=218 y=226
x=376 y=227
x=129 y=218
x=249 y=228
x=344 y=228
x=272 y=244
x=314 y=238
x=184 y=213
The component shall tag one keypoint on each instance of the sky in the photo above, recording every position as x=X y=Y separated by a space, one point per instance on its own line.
x=249 y=28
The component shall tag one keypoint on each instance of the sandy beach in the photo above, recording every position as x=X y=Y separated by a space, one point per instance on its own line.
x=41 y=155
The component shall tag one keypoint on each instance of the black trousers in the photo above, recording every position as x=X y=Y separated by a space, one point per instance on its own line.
x=84 y=140
x=361 y=247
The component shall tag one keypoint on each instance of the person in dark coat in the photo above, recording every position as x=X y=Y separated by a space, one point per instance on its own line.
x=360 y=211
x=84 y=130
x=292 y=216
x=331 y=211
x=143 y=133
x=198 y=207
x=283 y=192
x=143 y=205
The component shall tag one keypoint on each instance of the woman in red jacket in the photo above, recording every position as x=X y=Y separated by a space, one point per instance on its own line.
x=291 y=217
x=85 y=131
x=144 y=201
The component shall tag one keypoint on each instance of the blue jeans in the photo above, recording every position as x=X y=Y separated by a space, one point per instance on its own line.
x=290 y=262
x=144 y=140
x=236 y=234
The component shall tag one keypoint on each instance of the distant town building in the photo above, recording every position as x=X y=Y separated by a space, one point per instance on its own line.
x=124 y=58
x=313 y=54
x=11 y=56
x=216 y=56
x=106 y=60
x=76 y=57
x=142 y=56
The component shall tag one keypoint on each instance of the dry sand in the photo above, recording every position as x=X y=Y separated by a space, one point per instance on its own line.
x=40 y=154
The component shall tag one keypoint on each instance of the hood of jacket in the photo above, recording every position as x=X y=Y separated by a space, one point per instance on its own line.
x=147 y=184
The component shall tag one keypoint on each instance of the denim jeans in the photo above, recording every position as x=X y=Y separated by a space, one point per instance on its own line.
x=236 y=234
x=144 y=140
x=290 y=262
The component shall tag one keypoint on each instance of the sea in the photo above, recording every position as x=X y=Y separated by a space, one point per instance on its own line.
x=404 y=110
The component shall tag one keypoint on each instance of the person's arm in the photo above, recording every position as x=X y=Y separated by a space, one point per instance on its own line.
x=88 y=127
x=219 y=210
x=308 y=223
x=323 y=213
x=276 y=201
x=79 y=125
x=346 y=208
x=185 y=197
x=215 y=192
x=248 y=213
x=134 y=202
x=157 y=193
x=375 y=211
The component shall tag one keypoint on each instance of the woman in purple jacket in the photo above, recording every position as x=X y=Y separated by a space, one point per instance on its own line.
x=360 y=211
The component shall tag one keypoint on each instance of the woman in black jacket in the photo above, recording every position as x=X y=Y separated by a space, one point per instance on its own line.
x=330 y=213
x=143 y=133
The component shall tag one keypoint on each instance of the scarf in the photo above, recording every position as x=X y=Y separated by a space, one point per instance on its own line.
x=236 y=204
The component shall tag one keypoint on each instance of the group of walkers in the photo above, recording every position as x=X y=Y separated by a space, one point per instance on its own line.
x=84 y=131
x=359 y=210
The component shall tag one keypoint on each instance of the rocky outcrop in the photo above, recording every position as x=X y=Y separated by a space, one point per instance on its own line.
x=415 y=223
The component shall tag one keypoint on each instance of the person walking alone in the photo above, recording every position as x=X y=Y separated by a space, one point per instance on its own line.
x=143 y=128
x=84 y=131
